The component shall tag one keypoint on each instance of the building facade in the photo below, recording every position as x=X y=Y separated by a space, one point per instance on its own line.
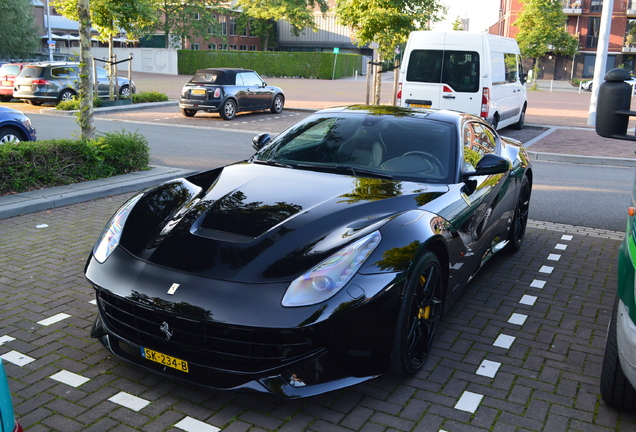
x=583 y=20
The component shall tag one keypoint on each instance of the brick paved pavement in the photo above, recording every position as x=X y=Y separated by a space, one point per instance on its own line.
x=551 y=302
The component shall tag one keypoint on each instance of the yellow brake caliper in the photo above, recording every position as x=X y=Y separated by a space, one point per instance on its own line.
x=424 y=312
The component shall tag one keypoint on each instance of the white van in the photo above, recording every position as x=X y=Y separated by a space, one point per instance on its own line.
x=477 y=73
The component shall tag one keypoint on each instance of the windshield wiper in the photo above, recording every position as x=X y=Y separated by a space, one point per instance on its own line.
x=272 y=162
x=347 y=168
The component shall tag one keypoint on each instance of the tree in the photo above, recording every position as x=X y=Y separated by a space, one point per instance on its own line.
x=299 y=13
x=386 y=22
x=458 y=25
x=112 y=17
x=194 y=18
x=262 y=28
x=18 y=33
x=542 y=30
x=85 y=117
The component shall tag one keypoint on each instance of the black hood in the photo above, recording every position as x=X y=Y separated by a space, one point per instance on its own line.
x=256 y=223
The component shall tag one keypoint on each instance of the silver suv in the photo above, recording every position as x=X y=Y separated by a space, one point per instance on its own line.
x=38 y=83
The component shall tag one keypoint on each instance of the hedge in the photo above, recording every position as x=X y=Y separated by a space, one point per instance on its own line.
x=272 y=63
x=31 y=165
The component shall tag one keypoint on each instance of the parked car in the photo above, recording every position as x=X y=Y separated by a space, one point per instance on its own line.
x=587 y=85
x=228 y=92
x=15 y=126
x=324 y=260
x=8 y=72
x=53 y=82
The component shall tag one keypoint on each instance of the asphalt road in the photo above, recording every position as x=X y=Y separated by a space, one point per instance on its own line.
x=581 y=195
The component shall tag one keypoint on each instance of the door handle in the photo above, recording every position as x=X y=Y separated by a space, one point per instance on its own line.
x=448 y=97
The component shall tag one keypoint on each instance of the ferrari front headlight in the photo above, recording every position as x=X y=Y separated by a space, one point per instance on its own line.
x=327 y=278
x=109 y=239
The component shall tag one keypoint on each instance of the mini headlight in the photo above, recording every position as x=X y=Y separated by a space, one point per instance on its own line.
x=109 y=239
x=328 y=277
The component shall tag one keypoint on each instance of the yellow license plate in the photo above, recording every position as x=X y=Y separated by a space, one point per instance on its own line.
x=419 y=106
x=165 y=360
x=7 y=83
x=198 y=92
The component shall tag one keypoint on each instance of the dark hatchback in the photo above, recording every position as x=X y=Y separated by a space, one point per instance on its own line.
x=228 y=92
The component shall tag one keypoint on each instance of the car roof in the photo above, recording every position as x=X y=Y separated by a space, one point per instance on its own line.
x=227 y=70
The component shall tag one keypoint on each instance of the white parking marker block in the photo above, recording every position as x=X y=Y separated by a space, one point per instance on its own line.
x=537 y=284
x=554 y=257
x=69 y=378
x=42 y=226
x=561 y=246
x=469 y=402
x=504 y=341
x=488 y=368
x=189 y=424
x=17 y=358
x=566 y=237
x=518 y=319
x=129 y=401
x=6 y=338
x=55 y=318
x=94 y=302
x=546 y=269
x=528 y=300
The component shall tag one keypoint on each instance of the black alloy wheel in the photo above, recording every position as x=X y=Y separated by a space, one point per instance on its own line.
x=420 y=313
x=228 y=109
x=616 y=390
x=188 y=112
x=277 y=104
x=518 y=227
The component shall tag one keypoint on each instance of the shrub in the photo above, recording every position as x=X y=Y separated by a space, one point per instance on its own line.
x=73 y=104
x=149 y=96
x=31 y=165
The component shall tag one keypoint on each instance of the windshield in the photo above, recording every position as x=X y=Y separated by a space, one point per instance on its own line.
x=403 y=148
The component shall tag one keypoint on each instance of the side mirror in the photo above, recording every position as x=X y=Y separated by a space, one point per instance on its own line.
x=488 y=165
x=523 y=77
x=264 y=84
x=260 y=141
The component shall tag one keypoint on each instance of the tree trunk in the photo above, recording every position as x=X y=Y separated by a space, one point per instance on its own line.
x=535 y=73
x=378 y=81
x=85 y=117
x=111 y=70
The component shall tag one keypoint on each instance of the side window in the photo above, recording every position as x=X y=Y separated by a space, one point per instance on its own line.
x=60 y=72
x=461 y=71
x=102 y=74
x=239 y=80
x=251 y=79
x=498 y=68
x=478 y=141
x=510 y=60
x=425 y=66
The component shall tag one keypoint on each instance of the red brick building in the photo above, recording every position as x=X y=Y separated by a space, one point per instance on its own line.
x=583 y=21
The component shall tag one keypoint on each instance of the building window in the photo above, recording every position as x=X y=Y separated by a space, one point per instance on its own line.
x=195 y=16
x=194 y=46
x=232 y=26
x=253 y=33
x=223 y=21
x=589 y=62
x=212 y=29
x=212 y=47
x=593 y=31
x=223 y=47
x=242 y=47
x=596 y=6
x=252 y=47
x=233 y=47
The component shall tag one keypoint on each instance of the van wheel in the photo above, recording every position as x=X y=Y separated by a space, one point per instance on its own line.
x=495 y=122
x=522 y=120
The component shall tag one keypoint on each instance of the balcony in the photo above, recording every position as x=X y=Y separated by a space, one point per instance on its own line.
x=629 y=48
x=631 y=9
x=573 y=7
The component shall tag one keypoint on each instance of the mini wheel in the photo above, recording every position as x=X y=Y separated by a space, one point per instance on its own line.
x=277 y=104
x=228 y=110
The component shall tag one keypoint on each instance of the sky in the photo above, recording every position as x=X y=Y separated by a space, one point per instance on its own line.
x=482 y=14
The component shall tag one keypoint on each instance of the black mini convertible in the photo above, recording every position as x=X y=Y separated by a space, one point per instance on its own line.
x=324 y=260
x=228 y=92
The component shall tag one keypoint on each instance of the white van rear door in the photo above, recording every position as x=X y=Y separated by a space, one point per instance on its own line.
x=422 y=88
x=461 y=82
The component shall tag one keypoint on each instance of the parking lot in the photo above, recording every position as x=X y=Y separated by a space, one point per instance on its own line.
x=520 y=351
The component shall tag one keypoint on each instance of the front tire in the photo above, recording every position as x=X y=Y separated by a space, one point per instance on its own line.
x=124 y=92
x=10 y=136
x=277 y=104
x=228 y=110
x=419 y=316
x=615 y=389
x=518 y=228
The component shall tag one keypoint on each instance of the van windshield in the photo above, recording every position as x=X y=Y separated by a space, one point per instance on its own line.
x=458 y=69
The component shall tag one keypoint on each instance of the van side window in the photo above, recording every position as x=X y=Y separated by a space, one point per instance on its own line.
x=458 y=69
x=510 y=61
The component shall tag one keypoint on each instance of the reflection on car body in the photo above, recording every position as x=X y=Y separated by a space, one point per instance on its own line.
x=228 y=92
x=326 y=259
